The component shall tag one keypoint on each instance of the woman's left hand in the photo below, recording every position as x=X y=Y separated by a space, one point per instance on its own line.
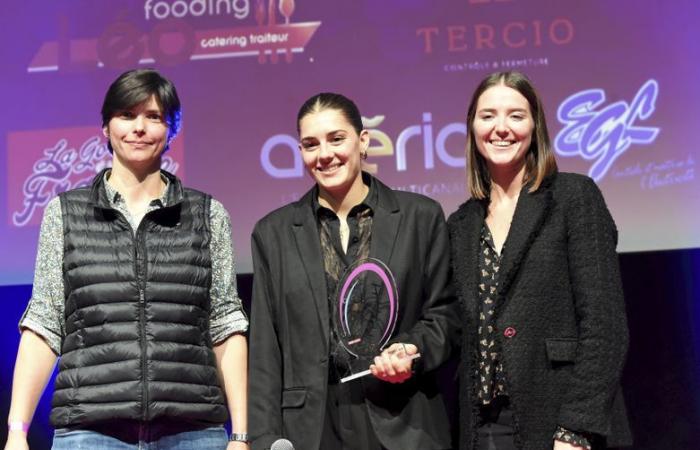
x=559 y=445
x=237 y=445
x=394 y=364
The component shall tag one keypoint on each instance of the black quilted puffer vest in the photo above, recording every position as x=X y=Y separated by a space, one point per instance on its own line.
x=137 y=343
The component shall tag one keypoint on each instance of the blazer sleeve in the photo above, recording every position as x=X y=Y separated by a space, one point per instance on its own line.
x=436 y=331
x=265 y=371
x=600 y=311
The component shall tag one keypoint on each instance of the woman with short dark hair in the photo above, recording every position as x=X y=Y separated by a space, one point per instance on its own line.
x=135 y=289
x=533 y=250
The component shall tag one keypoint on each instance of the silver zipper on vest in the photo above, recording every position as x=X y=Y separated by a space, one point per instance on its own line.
x=140 y=279
x=139 y=272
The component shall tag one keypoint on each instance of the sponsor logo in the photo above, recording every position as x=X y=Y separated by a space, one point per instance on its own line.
x=660 y=174
x=478 y=45
x=163 y=9
x=430 y=145
x=494 y=65
x=484 y=36
x=173 y=39
x=603 y=133
x=44 y=163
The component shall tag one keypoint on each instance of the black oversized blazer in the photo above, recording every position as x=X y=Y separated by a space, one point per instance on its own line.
x=289 y=340
x=560 y=314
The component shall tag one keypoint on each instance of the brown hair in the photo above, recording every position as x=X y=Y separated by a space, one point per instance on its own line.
x=539 y=160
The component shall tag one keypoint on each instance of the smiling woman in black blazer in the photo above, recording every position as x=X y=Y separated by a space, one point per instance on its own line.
x=533 y=250
x=299 y=253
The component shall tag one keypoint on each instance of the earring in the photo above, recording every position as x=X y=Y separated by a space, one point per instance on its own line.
x=363 y=155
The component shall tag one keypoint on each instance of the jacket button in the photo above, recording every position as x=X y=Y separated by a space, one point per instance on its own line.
x=509 y=332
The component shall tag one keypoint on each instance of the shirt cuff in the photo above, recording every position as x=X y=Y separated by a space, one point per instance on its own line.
x=52 y=339
x=233 y=323
x=572 y=437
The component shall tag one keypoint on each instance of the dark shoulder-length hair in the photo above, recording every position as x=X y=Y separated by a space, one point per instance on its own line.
x=539 y=160
x=135 y=87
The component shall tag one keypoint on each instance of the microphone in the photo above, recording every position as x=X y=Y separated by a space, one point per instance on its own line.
x=282 y=444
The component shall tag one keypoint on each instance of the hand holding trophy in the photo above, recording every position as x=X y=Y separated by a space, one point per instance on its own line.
x=364 y=319
x=395 y=363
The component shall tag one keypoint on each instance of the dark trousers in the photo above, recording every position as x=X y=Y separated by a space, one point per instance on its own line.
x=496 y=429
x=347 y=425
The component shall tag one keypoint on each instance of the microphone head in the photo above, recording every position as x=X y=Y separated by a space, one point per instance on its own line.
x=282 y=444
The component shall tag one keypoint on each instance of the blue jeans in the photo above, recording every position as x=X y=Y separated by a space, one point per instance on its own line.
x=213 y=438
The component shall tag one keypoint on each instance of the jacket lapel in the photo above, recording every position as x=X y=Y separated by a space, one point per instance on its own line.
x=530 y=213
x=309 y=247
x=385 y=224
x=465 y=233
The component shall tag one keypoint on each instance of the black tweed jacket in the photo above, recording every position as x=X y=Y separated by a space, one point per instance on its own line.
x=560 y=314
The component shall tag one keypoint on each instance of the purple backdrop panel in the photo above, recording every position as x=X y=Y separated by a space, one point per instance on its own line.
x=618 y=79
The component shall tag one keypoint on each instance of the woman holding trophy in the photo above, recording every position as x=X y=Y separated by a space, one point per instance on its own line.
x=351 y=267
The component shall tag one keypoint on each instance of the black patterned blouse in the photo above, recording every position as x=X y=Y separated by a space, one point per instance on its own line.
x=490 y=369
